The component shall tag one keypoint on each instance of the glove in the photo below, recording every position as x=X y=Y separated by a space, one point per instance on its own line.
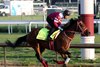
x=61 y=29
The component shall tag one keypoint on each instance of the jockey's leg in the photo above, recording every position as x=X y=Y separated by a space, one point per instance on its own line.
x=50 y=32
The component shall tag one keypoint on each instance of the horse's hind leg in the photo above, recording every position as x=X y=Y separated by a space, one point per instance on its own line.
x=39 y=56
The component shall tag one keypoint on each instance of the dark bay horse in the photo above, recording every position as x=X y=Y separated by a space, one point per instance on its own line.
x=61 y=44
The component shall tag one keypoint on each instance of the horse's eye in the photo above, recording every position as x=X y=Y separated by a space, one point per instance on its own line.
x=82 y=25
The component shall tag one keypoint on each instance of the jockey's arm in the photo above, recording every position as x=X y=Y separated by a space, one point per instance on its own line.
x=57 y=22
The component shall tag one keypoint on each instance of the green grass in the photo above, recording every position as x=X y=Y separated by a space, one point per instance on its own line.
x=97 y=38
x=12 y=37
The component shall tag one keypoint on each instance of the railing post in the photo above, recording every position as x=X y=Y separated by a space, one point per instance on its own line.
x=30 y=27
x=9 y=30
x=4 y=56
x=26 y=28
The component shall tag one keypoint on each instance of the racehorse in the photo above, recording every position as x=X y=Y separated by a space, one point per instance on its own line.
x=60 y=45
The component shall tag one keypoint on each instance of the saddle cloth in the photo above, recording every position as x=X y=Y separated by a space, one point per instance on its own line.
x=43 y=33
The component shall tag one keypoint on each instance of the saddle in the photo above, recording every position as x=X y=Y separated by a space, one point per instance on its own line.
x=43 y=33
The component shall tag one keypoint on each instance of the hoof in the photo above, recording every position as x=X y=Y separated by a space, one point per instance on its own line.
x=67 y=60
x=64 y=65
x=59 y=62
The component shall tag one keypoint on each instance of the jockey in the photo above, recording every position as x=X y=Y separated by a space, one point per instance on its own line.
x=55 y=20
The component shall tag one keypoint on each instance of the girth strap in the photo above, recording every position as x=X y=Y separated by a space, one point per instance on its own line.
x=51 y=45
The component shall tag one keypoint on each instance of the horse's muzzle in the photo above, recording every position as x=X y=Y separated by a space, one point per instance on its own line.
x=86 y=33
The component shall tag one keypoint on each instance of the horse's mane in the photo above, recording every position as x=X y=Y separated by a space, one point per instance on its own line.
x=74 y=20
x=71 y=22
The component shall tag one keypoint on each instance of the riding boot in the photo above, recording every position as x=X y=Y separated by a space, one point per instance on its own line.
x=50 y=33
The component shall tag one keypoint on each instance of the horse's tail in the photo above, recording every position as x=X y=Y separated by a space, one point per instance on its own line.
x=18 y=42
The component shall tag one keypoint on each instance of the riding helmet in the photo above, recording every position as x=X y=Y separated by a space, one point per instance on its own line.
x=66 y=12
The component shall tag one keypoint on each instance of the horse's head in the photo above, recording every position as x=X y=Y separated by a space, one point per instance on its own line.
x=77 y=25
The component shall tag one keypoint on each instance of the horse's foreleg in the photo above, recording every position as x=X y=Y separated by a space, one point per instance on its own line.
x=39 y=56
x=68 y=58
x=61 y=62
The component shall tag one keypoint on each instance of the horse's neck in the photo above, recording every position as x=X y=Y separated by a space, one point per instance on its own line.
x=69 y=34
x=65 y=38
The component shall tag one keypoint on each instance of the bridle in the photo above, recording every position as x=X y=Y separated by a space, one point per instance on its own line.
x=79 y=23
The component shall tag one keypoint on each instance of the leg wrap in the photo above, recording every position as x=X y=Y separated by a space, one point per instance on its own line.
x=44 y=63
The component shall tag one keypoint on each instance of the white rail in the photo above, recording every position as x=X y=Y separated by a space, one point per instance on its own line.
x=36 y=23
x=10 y=23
